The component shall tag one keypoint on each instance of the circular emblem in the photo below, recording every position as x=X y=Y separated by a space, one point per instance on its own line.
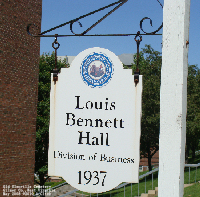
x=96 y=70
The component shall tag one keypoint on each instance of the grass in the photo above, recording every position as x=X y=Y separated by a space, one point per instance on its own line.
x=194 y=175
x=53 y=184
x=192 y=191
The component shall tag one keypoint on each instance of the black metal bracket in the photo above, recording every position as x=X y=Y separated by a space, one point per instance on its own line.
x=71 y=22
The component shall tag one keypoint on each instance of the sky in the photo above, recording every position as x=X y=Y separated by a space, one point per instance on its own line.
x=125 y=20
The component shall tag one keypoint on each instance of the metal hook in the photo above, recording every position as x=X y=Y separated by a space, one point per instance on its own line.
x=28 y=28
x=138 y=35
x=137 y=72
x=55 y=70
x=55 y=42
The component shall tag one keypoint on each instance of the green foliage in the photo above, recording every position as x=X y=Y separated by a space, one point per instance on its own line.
x=150 y=62
x=193 y=109
x=150 y=67
x=46 y=65
x=196 y=159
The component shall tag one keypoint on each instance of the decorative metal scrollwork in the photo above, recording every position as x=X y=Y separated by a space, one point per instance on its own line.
x=71 y=22
x=117 y=4
x=151 y=23
x=120 y=3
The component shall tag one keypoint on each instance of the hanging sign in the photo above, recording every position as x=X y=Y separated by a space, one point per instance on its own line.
x=95 y=118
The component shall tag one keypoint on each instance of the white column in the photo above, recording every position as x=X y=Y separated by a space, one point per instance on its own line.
x=173 y=101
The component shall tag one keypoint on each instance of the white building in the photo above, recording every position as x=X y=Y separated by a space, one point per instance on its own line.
x=126 y=59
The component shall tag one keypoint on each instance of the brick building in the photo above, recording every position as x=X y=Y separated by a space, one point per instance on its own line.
x=18 y=91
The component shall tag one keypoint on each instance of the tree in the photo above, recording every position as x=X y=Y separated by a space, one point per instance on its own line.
x=193 y=110
x=46 y=65
x=150 y=67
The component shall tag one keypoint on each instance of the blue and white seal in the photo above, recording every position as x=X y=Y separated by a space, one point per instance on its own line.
x=96 y=70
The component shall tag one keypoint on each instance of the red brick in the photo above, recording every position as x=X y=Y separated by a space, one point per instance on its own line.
x=18 y=91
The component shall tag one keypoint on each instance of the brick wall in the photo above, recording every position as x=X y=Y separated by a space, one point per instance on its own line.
x=18 y=91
